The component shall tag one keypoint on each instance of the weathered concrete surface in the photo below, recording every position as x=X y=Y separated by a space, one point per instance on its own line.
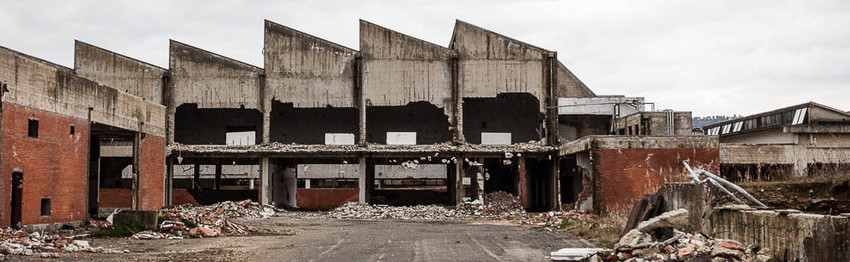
x=399 y=69
x=120 y=72
x=569 y=85
x=657 y=123
x=491 y=63
x=306 y=70
x=789 y=236
x=41 y=85
x=211 y=80
x=647 y=142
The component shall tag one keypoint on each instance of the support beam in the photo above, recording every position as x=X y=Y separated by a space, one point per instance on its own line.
x=554 y=184
x=169 y=181
x=196 y=180
x=218 y=177
x=362 y=181
x=457 y=98
x=522 y=188
x=361 y=97
x=137 y=161
x=265 y=185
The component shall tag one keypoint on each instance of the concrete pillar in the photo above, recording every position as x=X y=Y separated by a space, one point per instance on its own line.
x=362 y=181
x=522 y=188
x=265 y=185
x=458 y=183
x=266 y=103
x=137 y=161
x=196 y=183
x=554 y=185
x=218 y=177
x=169 y=181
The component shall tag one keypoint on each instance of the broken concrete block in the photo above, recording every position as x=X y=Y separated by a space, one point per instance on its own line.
x=673 y=219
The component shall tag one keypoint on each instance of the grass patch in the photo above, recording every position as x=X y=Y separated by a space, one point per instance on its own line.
x=123 y=229
x=604 y=230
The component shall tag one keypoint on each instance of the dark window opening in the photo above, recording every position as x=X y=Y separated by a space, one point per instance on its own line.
x=72 y=129
x=514 y=113
x=32 y=130
x=45 y=207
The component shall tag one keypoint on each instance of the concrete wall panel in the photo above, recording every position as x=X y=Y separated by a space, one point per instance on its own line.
x=120 y=72
x=211 y=80
x=306 y=70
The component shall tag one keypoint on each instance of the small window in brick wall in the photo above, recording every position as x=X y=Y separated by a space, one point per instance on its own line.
x=45 y=207
x=32 y=130
x=72 y=129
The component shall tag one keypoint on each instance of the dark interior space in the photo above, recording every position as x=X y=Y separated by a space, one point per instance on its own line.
x=573 y=127
x=570 y=179
x=110 y=172
x=309 y=125
x=204 y=126
x=428 y=121
x=500 y=177
x=411 y=190
x=515 y=113
x=208 y=189
x=539 y=179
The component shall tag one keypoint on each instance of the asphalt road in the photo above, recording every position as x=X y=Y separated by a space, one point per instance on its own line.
x=300 y=238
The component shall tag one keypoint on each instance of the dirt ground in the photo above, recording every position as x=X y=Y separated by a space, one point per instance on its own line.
x=824 y=196
x=300 y=236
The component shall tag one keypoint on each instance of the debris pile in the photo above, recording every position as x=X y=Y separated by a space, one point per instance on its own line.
x=642 y=244
x=18 y=242
x=497 y=205
x=555 y=218
x=354 y=210
x=207 y=221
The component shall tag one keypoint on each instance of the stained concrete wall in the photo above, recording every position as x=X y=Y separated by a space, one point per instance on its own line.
x=120 y=72
x=306 y=70
x=400 y=69
x=569 y=85
x=40 y=85
x=491 y=63
x=789 y=236
x=211 y=80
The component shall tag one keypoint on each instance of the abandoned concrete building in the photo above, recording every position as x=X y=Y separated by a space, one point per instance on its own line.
x=801 y=141
x=400 y=121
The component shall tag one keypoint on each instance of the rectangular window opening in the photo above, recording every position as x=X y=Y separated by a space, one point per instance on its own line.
x=72 y=129
x=45 y=207
x=32 y=128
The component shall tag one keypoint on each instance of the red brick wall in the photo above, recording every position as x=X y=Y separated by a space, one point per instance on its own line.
x=152 y=173
x=115 y=197
x=325 y=198
x=624 y=175
x=55 y=164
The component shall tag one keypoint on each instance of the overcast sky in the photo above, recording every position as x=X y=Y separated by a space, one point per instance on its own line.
x=709 y=57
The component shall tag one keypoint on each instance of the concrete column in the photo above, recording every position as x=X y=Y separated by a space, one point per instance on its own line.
x=218 y=177
x=196 y=184
x=554 y=185
x=522 y=188
x=266 y=103
x=457 y=98
x=137 y=161
x=459 y=180
x=361 y=97
x=169 y=181
x=265 y=185
x=362 y=181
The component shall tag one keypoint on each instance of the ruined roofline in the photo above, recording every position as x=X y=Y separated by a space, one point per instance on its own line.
x=173 y=42
x=771 y=112
x=405 y=35
x=573 y=76
x=459 y=22
x=302 y=33
x=22 y=54
x=78 y=42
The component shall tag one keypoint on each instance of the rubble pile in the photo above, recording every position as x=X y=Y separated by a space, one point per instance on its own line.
x=555 y=218
x=207 y=221
x=354 y=210
x=497 y=205
x=640 y=244
x=18 y=242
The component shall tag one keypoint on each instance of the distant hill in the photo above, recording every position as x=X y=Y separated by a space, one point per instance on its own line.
x=707 y=120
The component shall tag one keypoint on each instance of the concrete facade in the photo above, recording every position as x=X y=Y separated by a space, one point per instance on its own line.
x=801 y=141
x=53 y=120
